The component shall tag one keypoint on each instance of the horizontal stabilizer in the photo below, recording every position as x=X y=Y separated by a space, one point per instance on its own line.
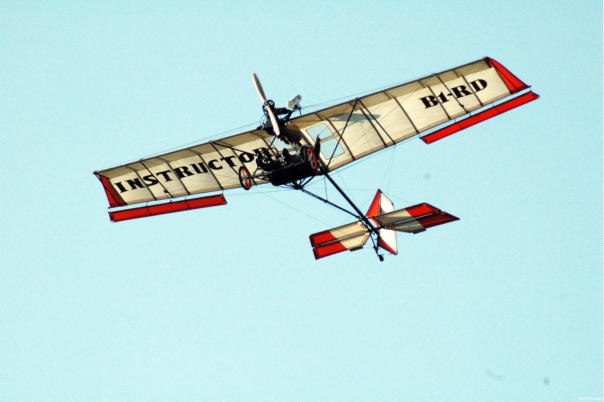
x=348 y=237
x=414 y=219
x=166 y=208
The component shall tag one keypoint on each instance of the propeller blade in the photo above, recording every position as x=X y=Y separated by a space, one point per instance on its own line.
x=274 y=120
x=269 y=110
x=259 y=88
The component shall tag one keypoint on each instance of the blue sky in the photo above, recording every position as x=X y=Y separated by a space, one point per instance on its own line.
x=228 y=303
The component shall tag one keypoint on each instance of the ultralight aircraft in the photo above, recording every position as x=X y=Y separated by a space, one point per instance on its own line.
x=291 y=151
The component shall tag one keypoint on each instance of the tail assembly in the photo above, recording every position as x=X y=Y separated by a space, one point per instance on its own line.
x=386 y=237
x=384 y=222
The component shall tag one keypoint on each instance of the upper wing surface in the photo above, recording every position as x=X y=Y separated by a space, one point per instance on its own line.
x=203 y=168
x=432 y=107
x=361 y=126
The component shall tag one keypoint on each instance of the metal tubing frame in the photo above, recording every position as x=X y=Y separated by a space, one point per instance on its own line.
x=361 y=215
x=318 y=197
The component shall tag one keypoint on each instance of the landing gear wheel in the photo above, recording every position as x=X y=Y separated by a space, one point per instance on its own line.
x=245 y=179
x=310 y=158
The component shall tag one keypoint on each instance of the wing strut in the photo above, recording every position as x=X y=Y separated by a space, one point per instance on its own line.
x=356 y=100
x=378 y=123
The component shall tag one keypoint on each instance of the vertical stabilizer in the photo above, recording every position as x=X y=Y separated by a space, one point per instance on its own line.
x=380 y=205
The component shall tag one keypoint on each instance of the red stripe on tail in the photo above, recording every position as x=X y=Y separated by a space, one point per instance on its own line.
x=374 y=208
x=421 y=209
x=438 y=219
x=386 y=246
x=321 y=238
x=330 y=249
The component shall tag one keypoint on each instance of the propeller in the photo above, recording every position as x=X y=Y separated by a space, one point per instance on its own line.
x=266 y=105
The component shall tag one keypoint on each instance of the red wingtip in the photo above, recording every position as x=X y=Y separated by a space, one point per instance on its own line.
x=513 y=83
x=115 y=200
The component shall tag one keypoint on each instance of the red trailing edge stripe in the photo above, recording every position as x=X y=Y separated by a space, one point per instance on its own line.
x=330 y=249
x=159 y=209
x=438 y=219
x=513 y=83
x=115 y=200
x=480 y=117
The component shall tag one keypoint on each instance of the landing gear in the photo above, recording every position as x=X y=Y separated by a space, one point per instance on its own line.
x=245 y=179
x=310 y=158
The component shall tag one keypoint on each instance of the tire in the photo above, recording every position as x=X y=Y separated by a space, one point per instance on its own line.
x=311 y=159
x=245 y=178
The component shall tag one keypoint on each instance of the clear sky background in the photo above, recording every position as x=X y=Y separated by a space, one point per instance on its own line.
x=228 y=303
